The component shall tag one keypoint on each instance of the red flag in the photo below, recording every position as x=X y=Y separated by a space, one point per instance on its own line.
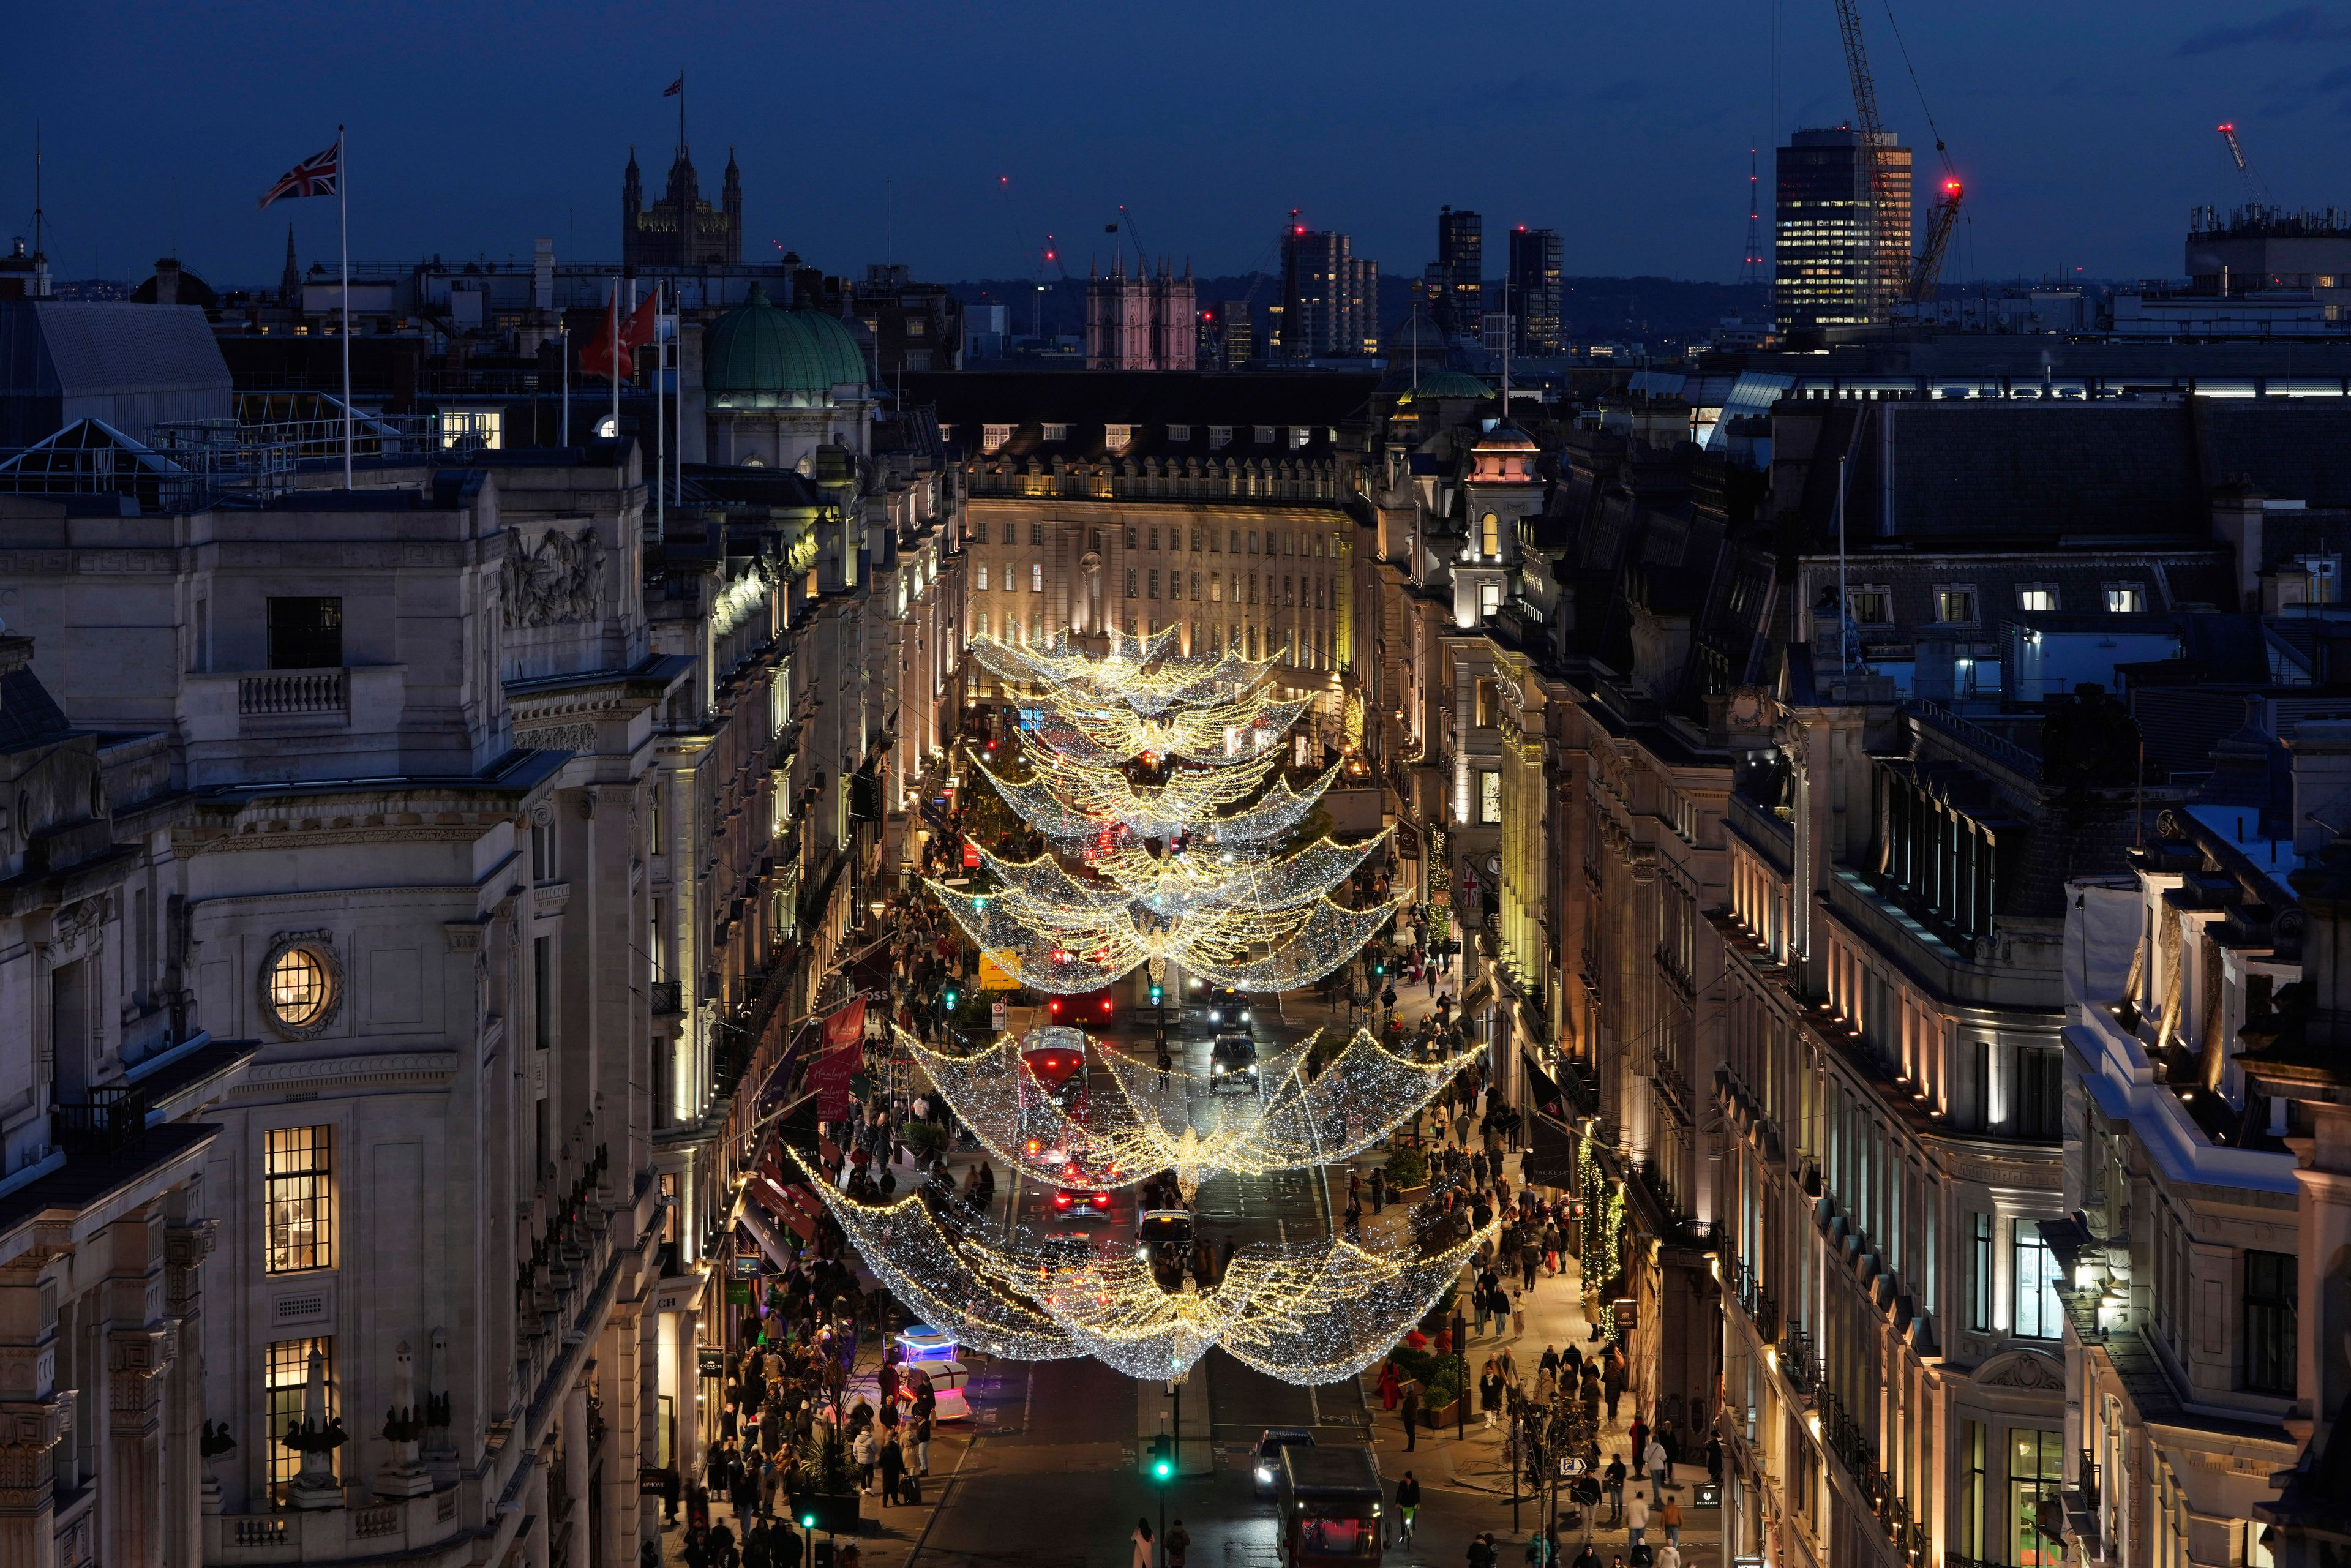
x=597 y=353
x=643 y=322
x=844 y=1053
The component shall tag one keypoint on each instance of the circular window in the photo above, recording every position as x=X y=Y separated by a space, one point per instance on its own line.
x=300 y=988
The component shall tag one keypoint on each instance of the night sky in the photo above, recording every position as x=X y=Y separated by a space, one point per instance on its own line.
x=2083 y=130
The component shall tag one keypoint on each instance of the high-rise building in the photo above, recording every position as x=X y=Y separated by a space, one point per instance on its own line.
x=1140 y=323
x=1821 y=231
x=1457 y=279
x=1535 y=289
x=1329 y=298
x=1227 y=337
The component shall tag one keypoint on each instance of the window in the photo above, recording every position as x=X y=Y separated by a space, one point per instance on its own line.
x=1155 y=583
x=298 y=1198
x=980 y=579
x=1971 y=1489
x=2036 y=1465
x=1134 y=536
x=1265 y=436
x=1980 y=1273
x=1036 y=534
x=1155 y=537
x=1955 y=606
x=300 y=988
x=1036 y=631
x=306 y=634
x=1490 y=598
x=1117 y=436
x=996 y=436
x=2037 y=596
x=979 y=537
x=1485 y=703
x=1133 y=580
x=1057 y=433
x=1219 y=437
x=1489 y=536
x=2038 y=1313
x=1490 y=799
x=1217 y=588
x=2125 y=598
x=2321 y=581
x=2270 y=1302
x=1195 y=540
x=285 y=1378
x=2040 y=1095
x=1036 y=577
x=979 y=623
x=1179 y=433
x=1872 y=605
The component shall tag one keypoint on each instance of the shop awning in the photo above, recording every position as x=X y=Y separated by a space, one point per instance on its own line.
x=1551 y=1146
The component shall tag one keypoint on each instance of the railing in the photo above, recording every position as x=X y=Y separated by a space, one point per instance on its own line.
x=258 y=1532
x=109 y=1119
x=668 y=998
x=2086 y=1478
x=1747 y=1287
x=276 y=693
x=1796 y=1362
x=1989 y=742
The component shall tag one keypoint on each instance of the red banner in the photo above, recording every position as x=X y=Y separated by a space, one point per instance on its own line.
x=844 y=1053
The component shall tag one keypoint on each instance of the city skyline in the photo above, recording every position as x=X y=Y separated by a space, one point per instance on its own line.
x=454 y=151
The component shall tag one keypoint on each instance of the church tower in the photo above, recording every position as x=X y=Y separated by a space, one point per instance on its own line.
x=633 y=202
x=730 y=207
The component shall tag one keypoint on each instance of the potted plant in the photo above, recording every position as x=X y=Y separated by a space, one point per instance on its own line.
x=1407 y=1168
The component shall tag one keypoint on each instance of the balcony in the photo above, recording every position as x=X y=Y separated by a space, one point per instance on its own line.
x=100 y=1124
x=291 y=692
x=335 y=1534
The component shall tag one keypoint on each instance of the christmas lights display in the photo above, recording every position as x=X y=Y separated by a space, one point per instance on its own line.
x=1308 y=1311
x=1153 y=779
x=1143 y=1125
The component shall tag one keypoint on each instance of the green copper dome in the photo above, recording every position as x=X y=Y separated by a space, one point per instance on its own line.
x=757 y=356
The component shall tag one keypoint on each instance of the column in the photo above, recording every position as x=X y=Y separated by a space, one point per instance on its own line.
x=576 y=1478
x=33 y=1419
x=684 y=1356
x=187 y=1242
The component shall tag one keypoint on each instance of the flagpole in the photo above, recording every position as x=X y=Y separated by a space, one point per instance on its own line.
x=661 y=427
x=613 y=369
x=343 y=207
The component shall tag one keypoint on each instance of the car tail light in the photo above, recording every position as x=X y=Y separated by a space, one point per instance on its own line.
x=1054 y=1007
x=1105 y=1005
x=1061 y=1201
x=1102 y=1200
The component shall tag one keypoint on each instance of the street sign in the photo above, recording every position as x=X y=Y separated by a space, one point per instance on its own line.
x=1000 y=1016
x=710 y=1361
x=1571 y=1466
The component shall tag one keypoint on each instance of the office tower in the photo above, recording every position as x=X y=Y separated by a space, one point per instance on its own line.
x=1535 y=300
x=1329 y=298
x=1457 y=298
x=1228 y=327
x=1822 y=233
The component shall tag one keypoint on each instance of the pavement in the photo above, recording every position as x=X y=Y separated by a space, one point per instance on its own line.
x=1046 y=1472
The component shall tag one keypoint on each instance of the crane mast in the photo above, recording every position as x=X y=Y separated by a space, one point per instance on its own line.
x=1872 y=130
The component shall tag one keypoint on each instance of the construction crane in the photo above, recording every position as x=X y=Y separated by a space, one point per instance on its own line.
x=1925 y=269
x=2255 y=191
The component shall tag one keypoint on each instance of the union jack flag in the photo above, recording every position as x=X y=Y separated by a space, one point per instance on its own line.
x=314 y=176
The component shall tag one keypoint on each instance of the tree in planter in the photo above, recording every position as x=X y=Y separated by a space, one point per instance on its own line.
x=1407 y=1167
x=924 y=1138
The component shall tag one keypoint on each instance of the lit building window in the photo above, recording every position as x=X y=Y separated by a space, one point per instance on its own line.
x=2037 y=596
x=298 y=1198
x=2038 y=1312
x=1490 y=799
x=285 y=1377
x=300 y=988
x=980 y=580
x=2125 y=598
x=1036 y=577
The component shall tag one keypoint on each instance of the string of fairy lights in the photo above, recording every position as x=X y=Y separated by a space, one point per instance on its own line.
x=1152 y=777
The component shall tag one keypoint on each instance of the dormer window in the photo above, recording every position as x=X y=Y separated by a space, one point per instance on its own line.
x=1179 y=433
x=1265 y=436
x=998 y=434
x=1219 y=437
x=1057 y=433
x=1116 y=437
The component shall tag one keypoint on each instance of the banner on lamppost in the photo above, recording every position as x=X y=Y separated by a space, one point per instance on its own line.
x=844 y=1053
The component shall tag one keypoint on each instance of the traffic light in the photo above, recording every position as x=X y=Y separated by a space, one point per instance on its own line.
x=832 y=1515
x=1163 y=1459
x=1154 y=993
x=951 y=996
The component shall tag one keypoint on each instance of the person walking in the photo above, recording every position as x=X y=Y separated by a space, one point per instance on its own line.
x=1179 y=1542
x=1612 y=1386
x=893 y=1462
x=1539 y=1550
x=861 y=1451
x=1407 y=1508
x=1481 y=1551
x=1411 y=1414
x=1667 y=1556
x=922 y=1444
x=1638 y=1452
x=1637 y=1520
x=1669 y=1519
x=1142 y=1540
x=1379 y=1190
x=1653 y=1459
x=1612 y=1482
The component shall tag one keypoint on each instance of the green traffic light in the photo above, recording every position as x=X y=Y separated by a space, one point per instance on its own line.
x=807 y=1521
x=1163 y=1469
